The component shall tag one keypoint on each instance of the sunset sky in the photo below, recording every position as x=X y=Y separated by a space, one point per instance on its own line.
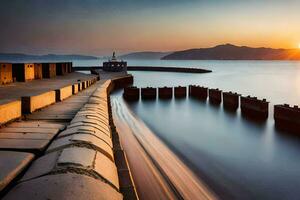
x=97 y=27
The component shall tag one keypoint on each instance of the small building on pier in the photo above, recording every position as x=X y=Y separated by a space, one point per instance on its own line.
x=113 y=65
x=23 y=72
x=63 y=68
x=5 y=73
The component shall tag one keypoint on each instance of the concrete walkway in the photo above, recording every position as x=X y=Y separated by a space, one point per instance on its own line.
x=24 y=140
x=65 y=151
x=17 y=90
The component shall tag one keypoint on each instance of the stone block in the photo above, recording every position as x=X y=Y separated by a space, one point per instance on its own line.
x=87 y=130
x=82 y=140
x=82 y=157
x=91 y=121
x=42 y=166
x=10 y=111
x=11 y=165
x=23 y=144
x=63 y=93
x=77 y=124
x=107 y=169
x=33 y=103
x=64 y=187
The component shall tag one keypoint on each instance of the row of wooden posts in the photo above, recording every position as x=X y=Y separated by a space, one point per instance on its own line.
x=22 y=72
x=286 y=117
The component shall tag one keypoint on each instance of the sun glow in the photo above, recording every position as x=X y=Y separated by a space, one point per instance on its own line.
x=299 y=46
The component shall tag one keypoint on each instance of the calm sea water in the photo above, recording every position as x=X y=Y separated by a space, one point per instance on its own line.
x=238 y=158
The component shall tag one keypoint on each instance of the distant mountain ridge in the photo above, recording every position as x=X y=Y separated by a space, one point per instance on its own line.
x=26 y=57
x=145 y=55
x=232 y=52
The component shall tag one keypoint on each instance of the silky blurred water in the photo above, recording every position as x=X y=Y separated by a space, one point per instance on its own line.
x=238 y=158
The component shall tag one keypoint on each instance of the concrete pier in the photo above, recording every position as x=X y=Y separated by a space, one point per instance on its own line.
x=231 y=100
x=198 y=92
x=165 y=93
x=74 y=152
x=254 y=108
x=148 y=93
x=179 y=92
x=131 y=93
x=287 y=118
x=150 y=68
x=215 y=96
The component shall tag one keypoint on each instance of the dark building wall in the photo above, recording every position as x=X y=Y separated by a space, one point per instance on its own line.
x=18 y=72
x=38 y=71
x=49 y=70
x=61 y=68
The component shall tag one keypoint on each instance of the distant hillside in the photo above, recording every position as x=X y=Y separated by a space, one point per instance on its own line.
x=25 y=57
x=232 y=52
x=146 y=55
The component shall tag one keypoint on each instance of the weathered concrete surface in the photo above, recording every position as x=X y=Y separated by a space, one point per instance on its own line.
x=63 y=93
x=65 y=110
x=64 y=187
x=79 y=140
x=87 y=130
x=10 y=111
x=37 y=124
x=23 y=144
x=16 y=90
x=11 y=165
x=33 y=103
x=28 y=138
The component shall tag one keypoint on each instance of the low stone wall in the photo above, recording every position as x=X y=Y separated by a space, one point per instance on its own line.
x=63 y=93
x=10 y=111
x=33 y=103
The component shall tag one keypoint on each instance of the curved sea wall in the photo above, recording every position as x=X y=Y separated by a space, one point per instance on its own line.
x=84 y=161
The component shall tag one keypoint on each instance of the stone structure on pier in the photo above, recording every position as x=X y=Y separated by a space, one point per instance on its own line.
x=165 y=93
x=113 y=65
x=23 y=72
x=255 y=108
x=179 y=92
x=148 y=93
x=231 y=100
x=131 y=93
x=215 y=96
x=198 y=92
x=287 y=118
